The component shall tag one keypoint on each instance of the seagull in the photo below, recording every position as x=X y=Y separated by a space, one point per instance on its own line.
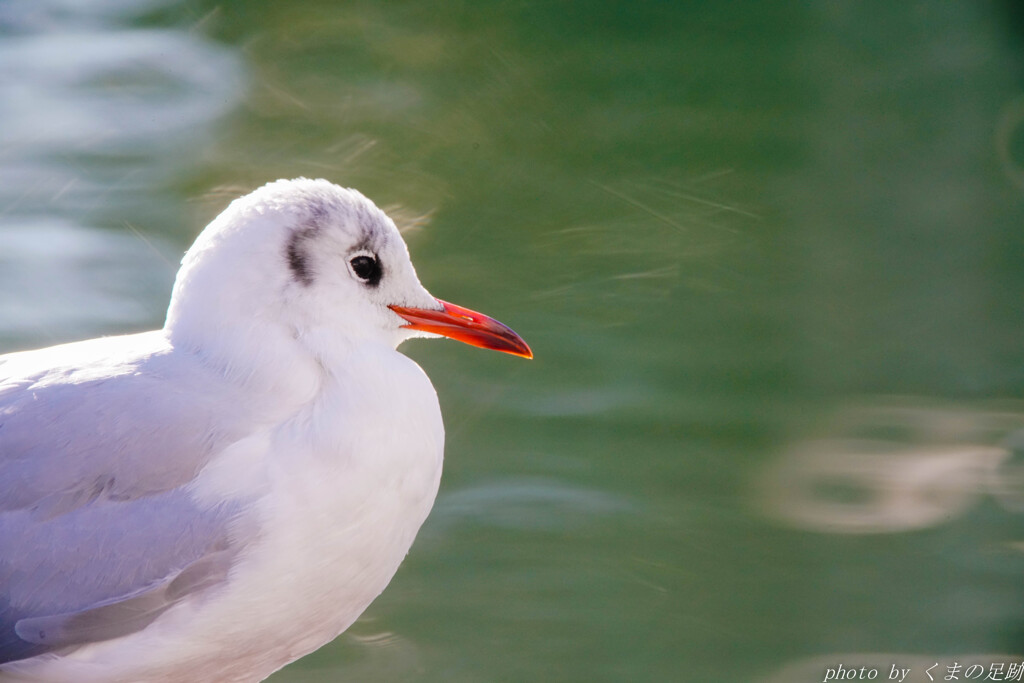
x=215 y=499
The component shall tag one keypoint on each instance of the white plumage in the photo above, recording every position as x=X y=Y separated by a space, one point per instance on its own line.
x=215 y=499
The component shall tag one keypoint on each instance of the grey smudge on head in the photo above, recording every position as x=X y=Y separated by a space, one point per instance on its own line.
x=296 y=252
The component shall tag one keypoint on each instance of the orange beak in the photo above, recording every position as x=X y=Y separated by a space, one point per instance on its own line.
x=464 y=325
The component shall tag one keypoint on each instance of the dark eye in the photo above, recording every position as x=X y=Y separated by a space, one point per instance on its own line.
x=366 y=268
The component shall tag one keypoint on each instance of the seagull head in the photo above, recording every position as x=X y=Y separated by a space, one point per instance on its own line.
x=310 y=262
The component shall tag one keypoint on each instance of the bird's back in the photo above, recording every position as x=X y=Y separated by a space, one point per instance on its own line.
x=97 y=449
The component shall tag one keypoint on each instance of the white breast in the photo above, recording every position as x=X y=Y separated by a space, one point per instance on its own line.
x=346 y=483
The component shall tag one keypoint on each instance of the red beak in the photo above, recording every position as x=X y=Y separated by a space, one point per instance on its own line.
x=464 y=325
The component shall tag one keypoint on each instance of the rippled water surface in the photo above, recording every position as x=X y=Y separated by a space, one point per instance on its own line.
x=770 y=257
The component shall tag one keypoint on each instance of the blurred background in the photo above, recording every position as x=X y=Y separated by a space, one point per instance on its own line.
x=770 y=257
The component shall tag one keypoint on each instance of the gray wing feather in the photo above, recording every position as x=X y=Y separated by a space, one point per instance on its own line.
x=127 y=614
x=107 y=423
x=98 y=532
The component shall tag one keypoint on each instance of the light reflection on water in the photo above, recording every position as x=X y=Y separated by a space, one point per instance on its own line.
x=892 y=465
x=97 y=117
x=57 y=276
x=520 y=504
x=766 y=254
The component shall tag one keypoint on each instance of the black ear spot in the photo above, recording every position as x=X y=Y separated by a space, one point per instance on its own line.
x=298 y=260
x=366 y=268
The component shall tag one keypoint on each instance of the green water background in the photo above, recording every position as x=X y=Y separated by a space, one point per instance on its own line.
x=768 y=256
